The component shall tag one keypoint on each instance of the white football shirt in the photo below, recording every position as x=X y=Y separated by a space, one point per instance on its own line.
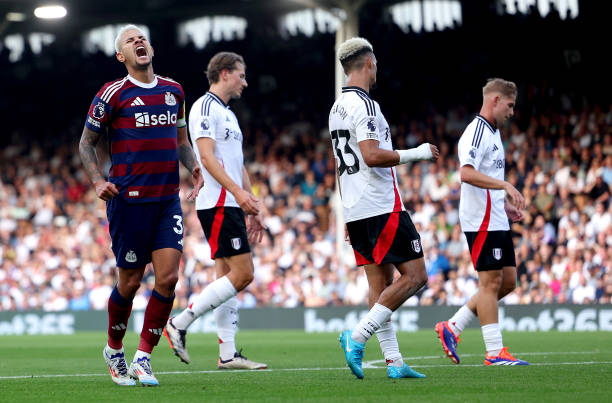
x=481 y=209
x=366 y=191
x=209 y=117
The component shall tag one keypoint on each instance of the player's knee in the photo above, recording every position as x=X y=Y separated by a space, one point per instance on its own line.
x=244 y=280
x=168 y=282
x=507 y=287
x=129 y=287
x=493 y=285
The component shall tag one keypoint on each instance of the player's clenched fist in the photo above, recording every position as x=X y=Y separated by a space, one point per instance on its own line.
x=435 y=153
x=106 y=190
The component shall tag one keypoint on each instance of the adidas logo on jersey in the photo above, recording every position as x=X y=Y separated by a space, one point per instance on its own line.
x=495 y=147
x=130 y=257
x=120 y=326
x=137 y=102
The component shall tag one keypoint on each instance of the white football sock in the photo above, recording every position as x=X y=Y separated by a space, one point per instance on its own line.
x=493 y=339
x=369 y=324
x=461 y=319
x=140 y=354
x=113 y=351
x=211 y=297
x=226 y=316
x=388 y=344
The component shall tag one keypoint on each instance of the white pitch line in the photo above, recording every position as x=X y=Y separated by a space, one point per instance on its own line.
x=216 y=371
x=374 y=363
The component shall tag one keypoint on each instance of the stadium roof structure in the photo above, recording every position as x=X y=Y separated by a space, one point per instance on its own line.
x=83 y=15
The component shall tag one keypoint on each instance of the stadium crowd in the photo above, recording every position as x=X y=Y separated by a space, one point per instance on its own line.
x=54 y=244
x=55 y=250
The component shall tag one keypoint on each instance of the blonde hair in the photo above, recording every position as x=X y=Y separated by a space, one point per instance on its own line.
x=122 y=30
x=506 y=88
x=350 y=53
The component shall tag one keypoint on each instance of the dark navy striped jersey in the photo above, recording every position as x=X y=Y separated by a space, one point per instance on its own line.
x=141 y=120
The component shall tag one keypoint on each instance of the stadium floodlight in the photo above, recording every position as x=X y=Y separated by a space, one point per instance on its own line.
x=50 y=12
x=15 y=17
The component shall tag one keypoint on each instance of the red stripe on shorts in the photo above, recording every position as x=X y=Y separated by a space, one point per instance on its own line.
x=385 y=238
x=482 y=232
x=215 y=230
x=360 y=260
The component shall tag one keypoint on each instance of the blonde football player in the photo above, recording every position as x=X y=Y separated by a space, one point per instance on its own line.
x=381 y=232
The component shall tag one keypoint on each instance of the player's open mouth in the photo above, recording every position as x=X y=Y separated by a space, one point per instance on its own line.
x=141 y=51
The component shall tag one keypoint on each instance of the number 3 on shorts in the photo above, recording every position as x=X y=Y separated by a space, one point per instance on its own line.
x=179 y=224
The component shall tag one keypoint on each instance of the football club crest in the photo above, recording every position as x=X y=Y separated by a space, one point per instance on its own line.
x=236 y=243
x=130 y=257
x=497 y=253
x=98 y=111
x=170 y=99
x=416 y=245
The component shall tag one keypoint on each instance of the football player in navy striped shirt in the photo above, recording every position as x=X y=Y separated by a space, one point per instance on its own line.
x=143 y=115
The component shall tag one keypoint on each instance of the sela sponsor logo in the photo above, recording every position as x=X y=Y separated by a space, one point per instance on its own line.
x=98 y=110
x=93 y=122
x=130 y=257
x=170 y=99
x=236 y=243
x=497 y=253
x=143 y=119
x=416 y=245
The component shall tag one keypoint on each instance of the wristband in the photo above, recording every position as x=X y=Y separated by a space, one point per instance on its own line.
x=422 y=152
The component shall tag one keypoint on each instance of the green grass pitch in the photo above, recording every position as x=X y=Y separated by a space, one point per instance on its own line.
x=310 y=367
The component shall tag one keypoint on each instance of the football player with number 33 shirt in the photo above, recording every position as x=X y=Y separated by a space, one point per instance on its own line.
x=380 y=230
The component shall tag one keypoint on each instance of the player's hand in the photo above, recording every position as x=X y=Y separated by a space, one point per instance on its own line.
x=198 y=182
x=435 y=153
x=106 y=190
x=513 y=213
x=247 y=202
x=516 y=198
x=255 y=228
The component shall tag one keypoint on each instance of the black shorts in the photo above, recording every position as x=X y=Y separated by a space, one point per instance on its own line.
x=386 y=238
x=491 y=250
x=225 y=230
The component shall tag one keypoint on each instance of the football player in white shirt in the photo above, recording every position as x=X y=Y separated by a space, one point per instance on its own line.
x=486 y=203
x=221 y=205
x=381 y=232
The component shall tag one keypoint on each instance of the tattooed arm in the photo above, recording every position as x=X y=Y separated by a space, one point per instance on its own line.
x=187 y=157
x=87 y=149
